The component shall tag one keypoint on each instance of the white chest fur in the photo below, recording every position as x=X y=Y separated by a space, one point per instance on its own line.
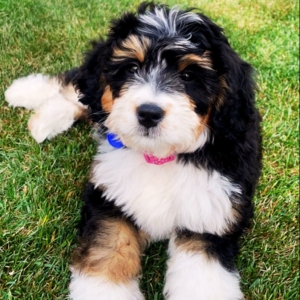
x=164 y=197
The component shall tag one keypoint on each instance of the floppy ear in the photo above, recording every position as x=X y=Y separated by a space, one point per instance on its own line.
x=236 y=111
x=89 y=79
x=234 y=147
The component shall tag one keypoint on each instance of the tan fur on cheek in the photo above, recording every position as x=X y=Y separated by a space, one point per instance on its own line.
x=203 y=61
x=107 y=99
x=114 y=253
x=203 y=120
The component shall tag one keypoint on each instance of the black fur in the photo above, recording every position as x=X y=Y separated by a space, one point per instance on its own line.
x=95 y=208
x=225 y=248
x=234 y=148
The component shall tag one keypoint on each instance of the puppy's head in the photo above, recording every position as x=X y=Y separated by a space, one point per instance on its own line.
x=159 y=78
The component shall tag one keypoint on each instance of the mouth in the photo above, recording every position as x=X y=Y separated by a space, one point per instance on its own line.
x=151 y=133
x=166 y=138
x=115 y=142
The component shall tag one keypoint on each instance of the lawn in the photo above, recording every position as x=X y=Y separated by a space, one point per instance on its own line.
x=40 y=185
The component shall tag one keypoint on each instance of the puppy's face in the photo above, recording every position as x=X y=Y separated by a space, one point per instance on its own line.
x=160 y=83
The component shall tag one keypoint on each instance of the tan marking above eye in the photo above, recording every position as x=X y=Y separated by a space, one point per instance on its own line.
x=203 y=61
x=132 y=47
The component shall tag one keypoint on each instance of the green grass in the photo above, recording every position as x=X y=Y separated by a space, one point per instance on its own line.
x=40 y=185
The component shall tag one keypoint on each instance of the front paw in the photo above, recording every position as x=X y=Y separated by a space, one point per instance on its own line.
x=83 y=287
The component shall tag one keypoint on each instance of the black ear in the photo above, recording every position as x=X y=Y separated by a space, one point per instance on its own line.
x=88 y=79
x=236 y=113
x=234 y=144
x=91 y=79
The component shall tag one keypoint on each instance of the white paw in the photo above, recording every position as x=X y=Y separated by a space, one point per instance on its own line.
x=97 y=288
x=32 y=91
x=53 y=117
x=194 y=276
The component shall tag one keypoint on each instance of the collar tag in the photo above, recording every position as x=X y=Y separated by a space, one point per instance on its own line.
x=114 y=141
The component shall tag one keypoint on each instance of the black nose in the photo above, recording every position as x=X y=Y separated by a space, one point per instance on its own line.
x=149 y=115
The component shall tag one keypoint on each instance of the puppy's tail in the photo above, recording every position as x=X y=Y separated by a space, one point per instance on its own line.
x=54 y=100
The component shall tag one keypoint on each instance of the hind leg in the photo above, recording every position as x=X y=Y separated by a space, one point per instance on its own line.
x=55 y=116
x=32 y=91
x=54 y=101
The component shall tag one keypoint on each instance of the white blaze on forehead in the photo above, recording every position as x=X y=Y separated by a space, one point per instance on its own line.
x=167 y=22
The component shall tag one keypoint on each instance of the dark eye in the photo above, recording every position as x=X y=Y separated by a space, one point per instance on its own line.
x=187 y=76
x=132 y=68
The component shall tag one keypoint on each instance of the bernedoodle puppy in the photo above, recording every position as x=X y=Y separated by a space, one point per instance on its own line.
x=179 y=153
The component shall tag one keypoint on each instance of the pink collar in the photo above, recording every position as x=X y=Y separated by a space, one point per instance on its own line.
x=115 y=142
x=151 y=159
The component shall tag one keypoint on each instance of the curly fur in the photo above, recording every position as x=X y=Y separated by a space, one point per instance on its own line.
x=180 y=65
